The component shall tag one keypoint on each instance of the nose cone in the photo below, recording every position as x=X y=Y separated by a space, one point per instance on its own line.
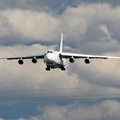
x=48 y=58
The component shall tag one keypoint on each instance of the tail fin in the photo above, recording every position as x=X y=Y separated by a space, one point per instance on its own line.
x=61 y=43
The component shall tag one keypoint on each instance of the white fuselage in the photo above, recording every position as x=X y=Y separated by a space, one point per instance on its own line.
x=52 y=59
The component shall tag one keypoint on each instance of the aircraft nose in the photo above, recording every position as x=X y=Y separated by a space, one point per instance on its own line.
x=48 y=57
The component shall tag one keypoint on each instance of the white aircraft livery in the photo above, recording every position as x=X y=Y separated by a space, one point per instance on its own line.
x=57 y=59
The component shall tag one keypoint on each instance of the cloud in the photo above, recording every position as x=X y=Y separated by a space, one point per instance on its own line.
x=87 y=29
x=1 y=119
x=23 y=24
x=35 y=5
x=29 y=76
x=27 y=26
x=38 y=82
x=105 y=30
x=113 y=3
x=57 y=6
x=99 y=111
x=24 y=28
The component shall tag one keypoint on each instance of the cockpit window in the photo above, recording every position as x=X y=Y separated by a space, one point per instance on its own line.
x=49 y=51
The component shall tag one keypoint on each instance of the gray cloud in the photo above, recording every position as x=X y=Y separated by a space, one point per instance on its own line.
x=108 y=109
x=77 y=75
x=37 y=5
x=76 y=23
x=57 y=6
x=87 y=29
x=75 y=3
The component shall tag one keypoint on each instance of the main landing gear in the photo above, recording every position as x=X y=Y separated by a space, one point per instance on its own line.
x=48 y=68
x=62 y=68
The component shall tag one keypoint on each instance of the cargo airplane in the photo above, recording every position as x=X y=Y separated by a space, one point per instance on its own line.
x=57 y=59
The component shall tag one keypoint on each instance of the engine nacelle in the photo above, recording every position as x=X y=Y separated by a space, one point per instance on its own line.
x=34 y=60
x=87 y=61
x=71 y=60
x=20 y=62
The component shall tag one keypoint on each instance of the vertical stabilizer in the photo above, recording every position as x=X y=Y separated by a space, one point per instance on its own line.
x=61 y=44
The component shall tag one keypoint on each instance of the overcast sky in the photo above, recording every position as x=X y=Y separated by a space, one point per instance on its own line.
x=82 y=92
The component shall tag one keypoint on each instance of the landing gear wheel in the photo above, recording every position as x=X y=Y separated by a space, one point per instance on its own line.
x=48 y=68
x=62 y=68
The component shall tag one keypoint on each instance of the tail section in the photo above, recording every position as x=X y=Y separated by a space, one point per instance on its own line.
x=61 y=44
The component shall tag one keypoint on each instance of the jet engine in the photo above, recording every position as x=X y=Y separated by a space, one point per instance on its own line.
x=71 y=60
x=34 y=60
x=87 y=61
x=20 y=62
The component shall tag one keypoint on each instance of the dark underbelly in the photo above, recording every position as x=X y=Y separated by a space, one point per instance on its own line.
x=53 y=65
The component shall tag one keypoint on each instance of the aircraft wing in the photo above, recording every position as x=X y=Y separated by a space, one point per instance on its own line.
x=74 y=55
x=39 y=56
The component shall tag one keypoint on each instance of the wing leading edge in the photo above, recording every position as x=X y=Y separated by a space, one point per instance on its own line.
x=69 y=55
x=65 y=55
x=40 y=56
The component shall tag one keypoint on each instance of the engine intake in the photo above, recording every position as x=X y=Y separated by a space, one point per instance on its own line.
x=34 y=60
x=20 y=62
x=87 y=61
x=71 y=60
